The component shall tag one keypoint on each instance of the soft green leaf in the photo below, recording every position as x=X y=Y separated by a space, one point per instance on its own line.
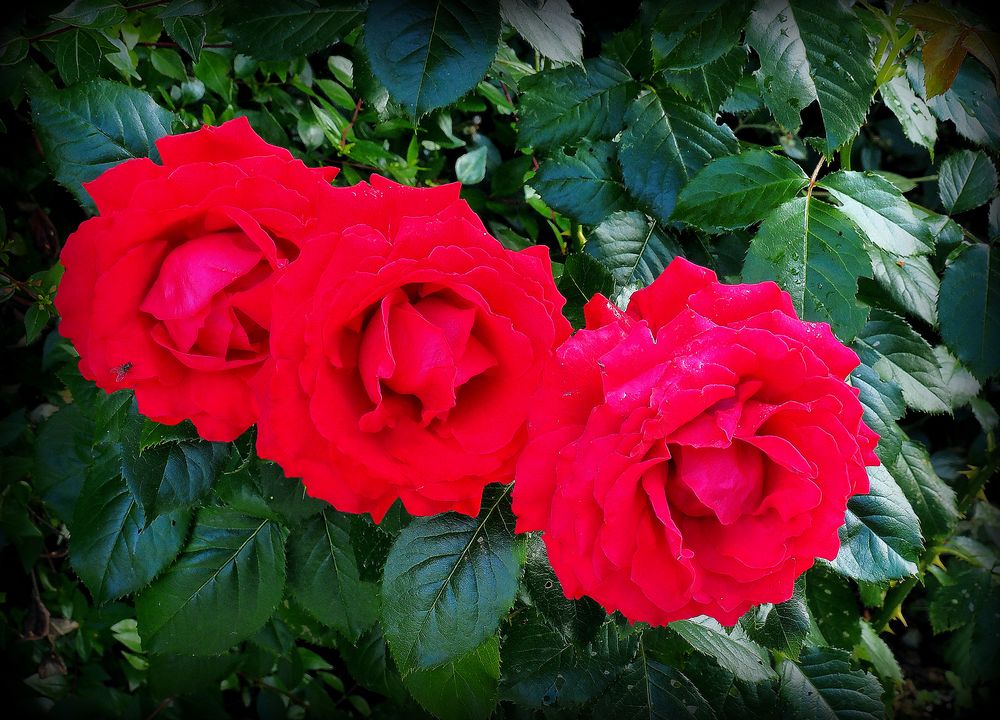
x=285 y=29
x=737 y=191
x=36 y=318
x=168 y=62
x=223 y=588
x=549 y=27
x=911 y=111
x=429 y=53
x=969 y=309
x=711 y=84
x=966 y=180
x=557 y=107
x=910 y=282
x=960 y=385
x=462 y=689
x=583 y=185
x=665 y=142
x=170 y=475
x=932 y=500
x=811 y=51
x=582 y=278
x=782 y=626
x=881 y=539
x=92 y=126
x=470 y=168
x=370 y=664
x=632 y=247
x=967 y=103
x=214 y=69
x=815 y=253
x=875 y=650
x=880 y=210
x=188 y=32
x=732 y=649
x=78 y=55
x=823 y=686
x=112 y=549
x=883 y=405
x=323 y=575
x=449 y=580
x=893 y=350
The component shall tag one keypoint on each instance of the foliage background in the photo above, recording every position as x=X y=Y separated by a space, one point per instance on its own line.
x=846 y=152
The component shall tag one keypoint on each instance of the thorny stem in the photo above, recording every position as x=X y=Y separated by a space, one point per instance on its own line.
x=350 y=125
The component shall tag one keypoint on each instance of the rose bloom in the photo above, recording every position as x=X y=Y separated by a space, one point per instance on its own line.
x=406 y=348
x=693 y=455
x=168 y=290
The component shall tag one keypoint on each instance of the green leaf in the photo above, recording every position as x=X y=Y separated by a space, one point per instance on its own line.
x=967 y=103
x=470 y=168
x=910 y=282
x=113 y=549
x=370 y=664
x=960 y=385
x=544 y=669
x=651 y=690
x=893 y=350
x=822 y=685
x=691 y=33
x=969 y=309
x=92 y=13
x=260 y=488
x=969 y=605
x=834 y=608
x=78 y=55
x=575 y=620
x=813 y=51
x=168 y=62
x=966 y=180
x=549 y=27
x=932 y=500
x=881 y=539
x=35 y=320
x=169 y=475
x=732 y=649
x=323 y=575
x=919 y=125
x=188 y=32
x=557 y=107
x=63 y=453
x=429 y=53
x=782 y=627
x=736 y=191
x=582 y=278
x=815 y=253
x=583 y=185
x=286 y=29
x=214 y=70
x=462 y=689
x=880 y=210
x=711 y=84
x=184 y=674
x=883 y=405
x=874 y=649
x=223 y=588
x=632 y=247
x=92 y=126
x=449 y=580
x=665 y=142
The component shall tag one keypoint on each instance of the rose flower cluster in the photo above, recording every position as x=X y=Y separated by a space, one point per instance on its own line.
x=691 y=455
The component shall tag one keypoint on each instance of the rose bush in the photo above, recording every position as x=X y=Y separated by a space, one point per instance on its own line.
x=168 y=290
x=694 y=454
x=406 y=349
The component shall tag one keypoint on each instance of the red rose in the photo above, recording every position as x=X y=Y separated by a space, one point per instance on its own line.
x=406 y=350
x=168 y=291
x=695 y=454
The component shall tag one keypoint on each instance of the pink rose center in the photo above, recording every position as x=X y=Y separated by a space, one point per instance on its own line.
x=416 y=353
